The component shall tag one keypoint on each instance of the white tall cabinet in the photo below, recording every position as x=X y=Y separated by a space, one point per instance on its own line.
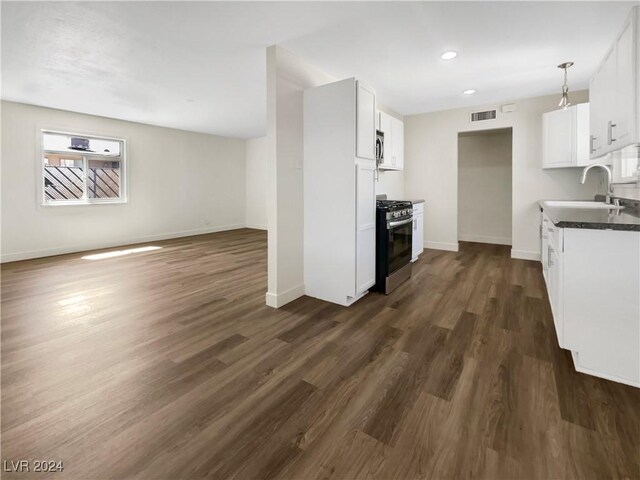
x=339 y=191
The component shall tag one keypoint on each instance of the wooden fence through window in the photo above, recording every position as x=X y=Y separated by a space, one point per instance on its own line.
x=66 y=183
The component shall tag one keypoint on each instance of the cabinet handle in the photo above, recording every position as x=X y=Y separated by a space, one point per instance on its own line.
x=592 y=140
x=610 y=138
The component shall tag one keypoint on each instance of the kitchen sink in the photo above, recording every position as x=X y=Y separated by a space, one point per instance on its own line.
x=581 y=204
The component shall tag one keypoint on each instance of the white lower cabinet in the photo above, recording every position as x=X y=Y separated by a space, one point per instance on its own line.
x=593 y=284
x=552 y=269
x=418 y=231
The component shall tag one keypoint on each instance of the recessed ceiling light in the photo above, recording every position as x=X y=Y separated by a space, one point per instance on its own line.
x=469 y=92
x=449 y=55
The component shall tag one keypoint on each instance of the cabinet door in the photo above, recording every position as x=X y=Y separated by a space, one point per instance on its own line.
x=385 y=126
x=558 y=138
x=417 y=235
x=624 y=130
x=582 y=145
x=544 y=249
x=609 y=100
x=366 y=123
x=556 y=292
x=397 y=131
x=366 y=226
x=597 y=116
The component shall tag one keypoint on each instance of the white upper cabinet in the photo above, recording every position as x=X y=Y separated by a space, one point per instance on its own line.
x=614 y=95
x=397 y=131
x=565 y=137
x=625 y=130
x=366 y=122
x=393 y=157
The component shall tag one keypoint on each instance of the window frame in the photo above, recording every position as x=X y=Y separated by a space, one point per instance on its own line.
x=86 y=157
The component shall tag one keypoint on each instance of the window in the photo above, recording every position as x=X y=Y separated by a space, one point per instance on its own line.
x=77 y=169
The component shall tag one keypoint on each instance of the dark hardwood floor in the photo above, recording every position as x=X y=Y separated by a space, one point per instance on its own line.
x=168 y=365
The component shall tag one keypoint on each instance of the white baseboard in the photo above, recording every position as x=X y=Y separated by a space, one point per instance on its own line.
x=525 y=255
x=16 y=256
x=277 y=300
x=256 y=227
x=451 y=247
x=485 y=239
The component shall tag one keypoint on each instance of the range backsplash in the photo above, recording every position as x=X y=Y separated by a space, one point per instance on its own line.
x=626 y=163
x=630 y=190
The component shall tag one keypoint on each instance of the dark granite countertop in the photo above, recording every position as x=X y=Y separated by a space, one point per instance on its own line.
x=598 y=219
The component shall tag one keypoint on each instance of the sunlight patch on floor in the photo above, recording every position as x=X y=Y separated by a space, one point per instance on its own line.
x=119 y=253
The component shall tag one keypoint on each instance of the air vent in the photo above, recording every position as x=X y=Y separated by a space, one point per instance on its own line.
x=482 y=116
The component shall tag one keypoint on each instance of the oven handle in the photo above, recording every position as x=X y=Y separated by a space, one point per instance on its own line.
x=399 y=222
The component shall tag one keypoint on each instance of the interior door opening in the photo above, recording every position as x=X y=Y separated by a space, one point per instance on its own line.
x=485 y=186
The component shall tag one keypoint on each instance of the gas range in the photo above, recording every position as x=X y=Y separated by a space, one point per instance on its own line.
x=395 y=209
x=394 y=226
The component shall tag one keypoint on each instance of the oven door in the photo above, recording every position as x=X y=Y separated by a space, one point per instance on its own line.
x=399 y=242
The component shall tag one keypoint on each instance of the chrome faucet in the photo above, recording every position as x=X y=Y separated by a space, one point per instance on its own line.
x=583 y=178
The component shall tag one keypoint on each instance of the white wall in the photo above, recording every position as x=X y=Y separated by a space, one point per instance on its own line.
x=180 y=183
x=287 y=77
x=257 y=183
x=484 y=187
x=431 y=170
x=391 y=183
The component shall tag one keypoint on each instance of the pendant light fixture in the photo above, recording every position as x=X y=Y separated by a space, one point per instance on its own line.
x=564 y=101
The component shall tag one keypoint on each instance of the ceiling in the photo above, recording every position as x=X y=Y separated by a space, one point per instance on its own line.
x=201 y=66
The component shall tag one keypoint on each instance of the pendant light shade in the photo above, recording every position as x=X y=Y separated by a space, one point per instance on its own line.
x=564 y=101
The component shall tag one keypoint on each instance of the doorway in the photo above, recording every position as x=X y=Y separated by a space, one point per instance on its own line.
x=485 y=186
